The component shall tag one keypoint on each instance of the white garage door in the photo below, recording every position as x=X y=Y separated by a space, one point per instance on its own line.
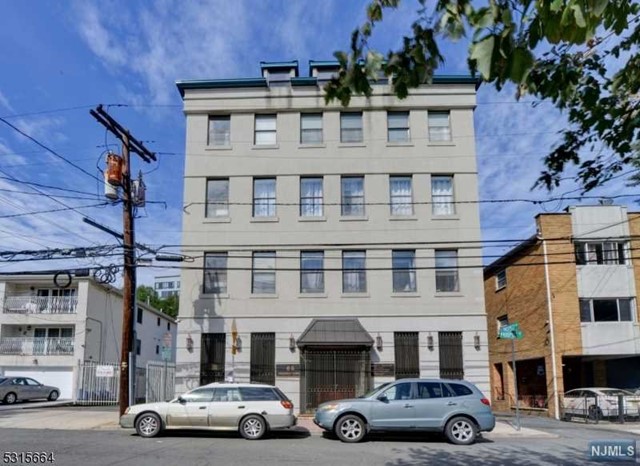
x=61 y=378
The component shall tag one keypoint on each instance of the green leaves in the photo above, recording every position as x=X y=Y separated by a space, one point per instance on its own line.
x=539 y=45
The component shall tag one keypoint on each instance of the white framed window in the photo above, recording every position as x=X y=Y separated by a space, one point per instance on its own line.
x=263 y=276
x=446 y=270
x=354 y=272
x=439 y=125
x=442 y=197
x=501 y=279
x=220 y=130
x=215 y=273
x=398 y=127
x=311 y=128
x=311 y=197
x=265 y=130
x=352 y=196
x=311 y=272
x=403 y=263
x=502 y=321
x=264 y=197
x=602 y=253
x=351 y=127
x=607 y=310
x=217 y=198
x=401 y=195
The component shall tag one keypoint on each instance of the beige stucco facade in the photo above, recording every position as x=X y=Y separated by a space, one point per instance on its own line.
x=288 y=312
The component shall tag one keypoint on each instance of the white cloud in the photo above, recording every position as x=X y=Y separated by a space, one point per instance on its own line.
x=4 y=102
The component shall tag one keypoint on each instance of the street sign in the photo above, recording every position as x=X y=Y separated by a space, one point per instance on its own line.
x=166 y=353
x=510 y=332
x=104 y=371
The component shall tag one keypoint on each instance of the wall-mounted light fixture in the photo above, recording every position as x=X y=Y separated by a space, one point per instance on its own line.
x=35 y=362
x=189 y=343
x=292 y=343
x=430 y=342
x=238 y=344
x=476 y=342
x=379 y=342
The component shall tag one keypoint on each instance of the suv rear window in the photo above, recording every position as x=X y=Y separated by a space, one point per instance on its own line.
x=459 y=390
x=258 y=394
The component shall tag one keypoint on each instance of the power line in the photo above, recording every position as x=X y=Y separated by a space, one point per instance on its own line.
x=102 y=204
x=48 y=149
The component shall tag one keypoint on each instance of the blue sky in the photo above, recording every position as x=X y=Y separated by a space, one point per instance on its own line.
x=69 y=56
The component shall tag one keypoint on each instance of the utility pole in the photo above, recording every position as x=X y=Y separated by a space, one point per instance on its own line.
x=127 y=357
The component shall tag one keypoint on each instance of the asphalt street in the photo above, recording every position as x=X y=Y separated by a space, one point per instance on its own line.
x=123 y=447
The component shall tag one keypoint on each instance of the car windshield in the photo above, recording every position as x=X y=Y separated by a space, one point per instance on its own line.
x=375 y=390
x=616 y=392
x=3 y=380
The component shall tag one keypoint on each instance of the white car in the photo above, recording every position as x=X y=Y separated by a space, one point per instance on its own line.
x=599 y=402
x=250 y=409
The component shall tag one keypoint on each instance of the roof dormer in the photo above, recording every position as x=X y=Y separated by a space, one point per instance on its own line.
x=323 y=70
x=279 y=72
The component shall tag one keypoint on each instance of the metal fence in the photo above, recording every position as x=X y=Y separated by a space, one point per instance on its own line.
x=597 y=408
x=40 y=304
x=35 y=346
x=98 y=383
x=160 y=381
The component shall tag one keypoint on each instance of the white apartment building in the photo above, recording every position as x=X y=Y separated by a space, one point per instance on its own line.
x=167 y=285
x=331 y=250
x=48 y=333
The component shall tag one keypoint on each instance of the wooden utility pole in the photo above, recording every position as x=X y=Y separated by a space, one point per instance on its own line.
x=129 y=144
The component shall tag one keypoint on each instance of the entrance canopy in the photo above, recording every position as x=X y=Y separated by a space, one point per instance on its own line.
x=335 y=332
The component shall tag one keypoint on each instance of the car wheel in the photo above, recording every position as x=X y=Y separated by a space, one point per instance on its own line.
x=594 y=413
x=10 y=398
x=53 y=396
x=350 y=428
x=253 y=427
x=461 y=431
x=148 y=425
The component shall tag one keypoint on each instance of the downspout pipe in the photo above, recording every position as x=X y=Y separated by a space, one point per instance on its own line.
x=554 y=371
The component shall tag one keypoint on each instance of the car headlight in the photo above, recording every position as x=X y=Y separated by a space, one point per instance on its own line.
x=329 y=407
x=126 y=411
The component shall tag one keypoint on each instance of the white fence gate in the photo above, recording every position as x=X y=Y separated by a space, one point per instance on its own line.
x=98 y=383
x=161 y=379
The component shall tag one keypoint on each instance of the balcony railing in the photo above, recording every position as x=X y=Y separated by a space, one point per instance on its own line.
x=36 y=346
x=40 y=304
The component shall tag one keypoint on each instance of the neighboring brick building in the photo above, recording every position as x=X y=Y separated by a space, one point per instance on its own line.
x=577 y=313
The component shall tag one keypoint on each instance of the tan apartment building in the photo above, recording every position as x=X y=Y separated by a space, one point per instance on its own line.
x=326 y=240
x=572 y=289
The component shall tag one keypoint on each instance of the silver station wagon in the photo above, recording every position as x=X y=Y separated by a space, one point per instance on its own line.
x=454 y=407
x=250 y=409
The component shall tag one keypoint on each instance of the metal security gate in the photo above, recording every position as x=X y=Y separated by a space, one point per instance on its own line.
x=98 y=383
x=263 y=358
x=161 y=381
x=451 y=361
x=407 y=355
x=212 y=354
x=327 y=375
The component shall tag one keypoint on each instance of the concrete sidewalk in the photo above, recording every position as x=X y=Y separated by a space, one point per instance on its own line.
x=86 y=418
x=35 y=404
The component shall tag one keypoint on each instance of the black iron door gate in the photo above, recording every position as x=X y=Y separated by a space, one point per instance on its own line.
x=327 y=375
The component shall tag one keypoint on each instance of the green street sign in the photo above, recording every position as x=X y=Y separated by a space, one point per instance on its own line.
x=510 y=332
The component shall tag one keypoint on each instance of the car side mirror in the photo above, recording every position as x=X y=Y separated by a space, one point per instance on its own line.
x=383 y=398
x=181 y=400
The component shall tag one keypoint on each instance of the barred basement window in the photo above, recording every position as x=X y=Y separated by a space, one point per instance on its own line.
x=212 y=354
x=407 y=355
x=263 y=358
x=451 y=362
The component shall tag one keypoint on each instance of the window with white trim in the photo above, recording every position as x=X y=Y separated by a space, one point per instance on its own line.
x=606 y=310
x=439 y=126
x=398 y=127
x=401 y=195
x=351 y=127
x=442 y=195
x=602 y=253
x=264 y=197
x=502 y=321
x=501 y=279
x=217 y=198
x=263 y=280
x=403 y=263
x=311 y=128
x=352 y=194
x=311 y=272
x=265 y=130
x=354 y=272
x=220 y=130
x=311 y=197
x=215 y=272
x=447 y=270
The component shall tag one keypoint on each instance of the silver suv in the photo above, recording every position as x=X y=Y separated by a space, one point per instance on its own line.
x=250 y=409
x=454 y=407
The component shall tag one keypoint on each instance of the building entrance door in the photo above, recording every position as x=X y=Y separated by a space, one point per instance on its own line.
x=332 y=374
